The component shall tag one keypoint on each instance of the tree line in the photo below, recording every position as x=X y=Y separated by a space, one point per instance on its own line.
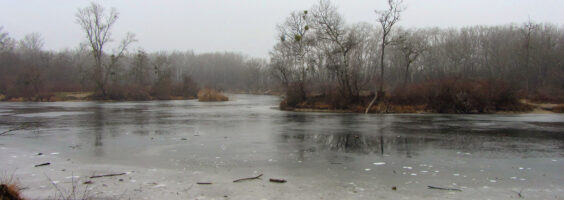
x=29 y=72
x=320 y=58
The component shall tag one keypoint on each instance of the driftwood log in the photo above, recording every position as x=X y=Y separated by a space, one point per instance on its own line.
x=43 y=164
x=275 y=180
x=246 y=179
x=441 y=188
x=107 y=175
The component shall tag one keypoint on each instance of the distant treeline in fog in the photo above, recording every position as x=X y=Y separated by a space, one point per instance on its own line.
x=28 y=71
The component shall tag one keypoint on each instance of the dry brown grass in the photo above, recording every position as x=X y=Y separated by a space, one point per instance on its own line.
x=10 y=192
x=18 y=99
x=9 y=189
x=207 y=94
x=558 y=109
x=408 y=108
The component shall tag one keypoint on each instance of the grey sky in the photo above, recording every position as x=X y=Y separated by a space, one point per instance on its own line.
x=246 y=26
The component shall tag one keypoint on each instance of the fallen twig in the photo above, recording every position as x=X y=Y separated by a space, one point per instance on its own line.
x=440 y=188
x=203 y=183
x=106 y=175
x=275 y=180
x=43 y=164
x=246 y=179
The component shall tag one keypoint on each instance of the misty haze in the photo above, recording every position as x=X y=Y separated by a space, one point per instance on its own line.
x=297 y=99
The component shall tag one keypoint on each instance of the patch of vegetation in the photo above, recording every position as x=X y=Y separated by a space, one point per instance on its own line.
x=9 y=189
x=207 y=94
x=558 y=109
x=449 y=95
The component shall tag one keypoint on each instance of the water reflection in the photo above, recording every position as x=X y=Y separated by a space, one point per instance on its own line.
x=251 y=125
x=409 y=135
x=98 y=125
x=343 y=133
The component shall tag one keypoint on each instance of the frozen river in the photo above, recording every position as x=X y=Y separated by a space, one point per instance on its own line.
x=166 y=147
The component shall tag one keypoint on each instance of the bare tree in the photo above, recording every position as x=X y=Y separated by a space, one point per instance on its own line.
x=140 y=70
x=290 y=54
x=6 y=43
x=337 y=41
x=32 y=41
x=30 y=48
x=387 y=19
x=254 y=80
x=97 y=26
x=411 y=44
x=528 y=30
x=118 y=54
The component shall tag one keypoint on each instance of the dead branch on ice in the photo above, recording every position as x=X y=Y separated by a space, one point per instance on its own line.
x=106 y=175
x=441 y=188
x=246 y=179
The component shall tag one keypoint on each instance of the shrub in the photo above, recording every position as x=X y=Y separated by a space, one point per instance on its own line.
x=162 y=88
x=294 y=96
x=453 y=95
x=9 y=189
x=187 y=88
x=137 y=93
x=414 y=94
x=545 y=95
x=558 y=109
x=10 y=192
x=207 y=94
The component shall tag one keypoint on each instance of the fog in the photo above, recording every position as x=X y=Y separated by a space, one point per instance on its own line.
x=248 y=27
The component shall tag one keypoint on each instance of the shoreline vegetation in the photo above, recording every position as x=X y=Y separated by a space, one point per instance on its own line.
x=318 y=103
x=451 y=96
x=530 y=108
x=210 y=95
x=526 y=107
x=204 y=95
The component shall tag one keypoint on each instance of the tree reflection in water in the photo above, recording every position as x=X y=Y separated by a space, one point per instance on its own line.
x=347 y=135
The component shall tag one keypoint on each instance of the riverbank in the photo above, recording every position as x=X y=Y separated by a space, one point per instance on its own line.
x=84 y=96
x=318 y=104
x=525 y=107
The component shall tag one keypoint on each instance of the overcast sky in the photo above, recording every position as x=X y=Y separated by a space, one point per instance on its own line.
x=246 y=26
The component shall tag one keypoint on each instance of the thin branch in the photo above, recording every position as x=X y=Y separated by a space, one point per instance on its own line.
x=55 y=185
x=441 y=188
x=246 y=179
x=107 y=175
